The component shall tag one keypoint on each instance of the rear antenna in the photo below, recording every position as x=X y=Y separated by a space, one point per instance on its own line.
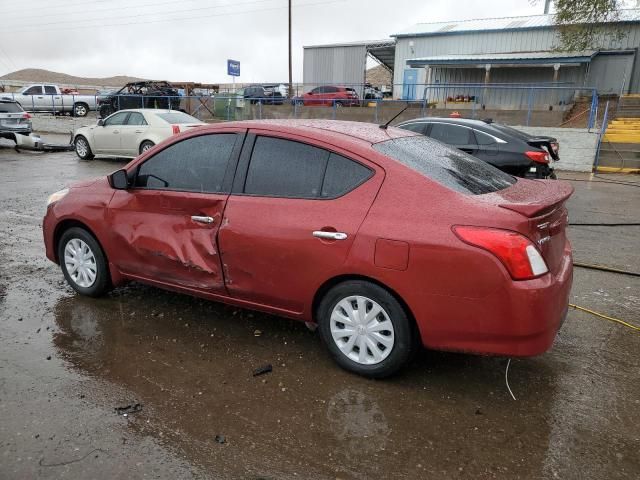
x=384 y=126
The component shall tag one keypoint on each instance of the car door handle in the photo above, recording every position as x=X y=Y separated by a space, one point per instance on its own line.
x=330 y=235
x=116 y=131
x=139 y=131
x=201 y=219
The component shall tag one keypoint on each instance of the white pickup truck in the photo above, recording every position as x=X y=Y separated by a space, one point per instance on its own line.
x=43 y=97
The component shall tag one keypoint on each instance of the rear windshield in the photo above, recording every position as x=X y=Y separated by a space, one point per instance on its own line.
x=445 y=165
x=10 y=107
x=177 y=117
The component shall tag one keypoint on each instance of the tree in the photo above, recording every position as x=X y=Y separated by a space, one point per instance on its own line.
x=587 y=24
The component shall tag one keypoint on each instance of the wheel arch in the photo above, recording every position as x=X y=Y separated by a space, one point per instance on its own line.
x=332 y=282
x=147 y=139
x=65 y=225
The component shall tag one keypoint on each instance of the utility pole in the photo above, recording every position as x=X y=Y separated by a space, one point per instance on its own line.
x=290 y=62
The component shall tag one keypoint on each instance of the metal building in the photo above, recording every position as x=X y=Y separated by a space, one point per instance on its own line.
x=512 y=50
x=344 y=63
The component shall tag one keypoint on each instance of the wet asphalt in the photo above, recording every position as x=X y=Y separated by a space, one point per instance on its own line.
x=67 y=362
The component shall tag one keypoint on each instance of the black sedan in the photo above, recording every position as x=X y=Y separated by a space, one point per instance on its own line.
x=506 y=148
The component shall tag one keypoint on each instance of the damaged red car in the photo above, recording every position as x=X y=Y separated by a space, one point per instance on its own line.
x=388 y=240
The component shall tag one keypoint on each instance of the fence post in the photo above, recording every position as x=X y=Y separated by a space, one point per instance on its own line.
x=376 y=112
x=603 y=129
x=530 y=106
x=594 y=105
x=259 y=109
x=334 y=110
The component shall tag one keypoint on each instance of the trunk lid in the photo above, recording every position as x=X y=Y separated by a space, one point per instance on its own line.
x=542 y=203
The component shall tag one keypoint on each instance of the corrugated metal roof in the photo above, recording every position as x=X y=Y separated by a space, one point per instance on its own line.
x=506 y=58
x=363 y=43
x=488 y=24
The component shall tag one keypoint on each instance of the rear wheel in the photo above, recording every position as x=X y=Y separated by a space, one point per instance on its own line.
x=83 y=150
x=80 y=110
x=83 y=262
x=146 y=145
x=366 y=329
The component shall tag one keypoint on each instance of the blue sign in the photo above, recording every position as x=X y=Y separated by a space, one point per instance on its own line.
x=233 y=68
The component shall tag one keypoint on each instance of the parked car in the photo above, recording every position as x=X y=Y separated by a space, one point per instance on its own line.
x=144 y=94
x=128 y=133
x=372 y=93
x=50 y=98
x=511 y=150
x=328 y=96
x=385 y=238
x=13 y=120
x=259 y=94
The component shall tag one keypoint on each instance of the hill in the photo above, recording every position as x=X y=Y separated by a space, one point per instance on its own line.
x=37 y=75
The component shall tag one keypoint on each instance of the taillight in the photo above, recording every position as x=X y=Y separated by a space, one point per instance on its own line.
x=516 y=252
x=26 y=116
x=538 y=157
x=175 y=129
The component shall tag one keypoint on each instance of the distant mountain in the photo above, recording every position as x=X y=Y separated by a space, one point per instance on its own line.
x=378 y=76
x=37 y=75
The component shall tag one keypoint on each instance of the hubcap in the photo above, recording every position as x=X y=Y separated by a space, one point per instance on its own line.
x=362 y=330
x=146 y=146
x=80 y=263
x=80 y=111
x=81 y=147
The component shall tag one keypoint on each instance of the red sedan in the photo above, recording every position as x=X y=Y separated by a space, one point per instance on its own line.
x=384 y=238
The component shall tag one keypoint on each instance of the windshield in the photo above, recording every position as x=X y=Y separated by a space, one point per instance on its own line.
x=10 y=107
x=446 y=165
x=177 y=117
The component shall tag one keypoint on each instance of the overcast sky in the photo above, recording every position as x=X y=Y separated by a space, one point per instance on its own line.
x=190 y=40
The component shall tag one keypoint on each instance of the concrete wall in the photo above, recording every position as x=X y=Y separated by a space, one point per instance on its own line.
x=577 y=146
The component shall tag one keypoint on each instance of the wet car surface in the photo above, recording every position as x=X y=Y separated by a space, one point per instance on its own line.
x=190 y=364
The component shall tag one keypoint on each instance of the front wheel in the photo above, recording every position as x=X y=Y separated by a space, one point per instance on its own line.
x=366 y=329
x=83 y=262
x=83 y=150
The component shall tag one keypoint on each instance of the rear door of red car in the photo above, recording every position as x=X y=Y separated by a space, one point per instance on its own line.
x=292 y=217
x=164 y=229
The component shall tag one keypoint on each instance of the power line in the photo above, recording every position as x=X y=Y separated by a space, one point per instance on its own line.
x=57 y=7
x=147 y=14
x=226 y=14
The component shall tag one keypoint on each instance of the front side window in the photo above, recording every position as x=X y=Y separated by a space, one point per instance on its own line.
x=116 y=119
x=36 y=90
x=197 y=164
x=450 y=134
x=446 y=165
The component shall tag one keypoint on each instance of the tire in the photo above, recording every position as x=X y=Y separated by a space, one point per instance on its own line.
x=393 y=327
x=338 y=104
x=553 y=175
x=76 y=242
x=146 y=145
x=83 y=149
x=80 y=110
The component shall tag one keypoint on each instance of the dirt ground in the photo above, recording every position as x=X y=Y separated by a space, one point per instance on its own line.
x=66 y=362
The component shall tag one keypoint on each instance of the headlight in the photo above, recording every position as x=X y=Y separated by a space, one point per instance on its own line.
x=59 y=195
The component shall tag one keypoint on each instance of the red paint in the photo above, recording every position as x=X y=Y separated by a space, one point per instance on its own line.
x=260 y=253
x=342 y=95
x=538 y=157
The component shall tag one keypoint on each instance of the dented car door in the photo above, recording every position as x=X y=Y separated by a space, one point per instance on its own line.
x=165 y=226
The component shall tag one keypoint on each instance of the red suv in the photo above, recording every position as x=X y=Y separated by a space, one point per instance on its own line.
x=330 y=95
x=384 y=238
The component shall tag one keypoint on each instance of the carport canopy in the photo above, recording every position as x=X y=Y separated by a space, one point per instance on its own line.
x=505 y=59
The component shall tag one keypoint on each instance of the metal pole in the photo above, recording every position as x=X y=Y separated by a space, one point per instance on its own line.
x=603 y=129
x=290 y=92
x=530 y=106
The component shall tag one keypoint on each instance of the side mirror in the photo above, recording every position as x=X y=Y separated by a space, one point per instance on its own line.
x=101 y=123
x=119 y=180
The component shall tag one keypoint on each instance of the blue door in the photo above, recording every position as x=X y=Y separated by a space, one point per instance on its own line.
x=409 y=82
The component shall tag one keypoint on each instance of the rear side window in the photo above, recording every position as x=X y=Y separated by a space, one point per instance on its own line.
x=342 y=176
x=10 y=107
x=285 y=168
x=197 y=164
x=445 y=165
x=177 y=118
x=484 y=139
x=50 y=90
x=451 y=134
x=136 y=118
x=415 y=127
x=282 y=168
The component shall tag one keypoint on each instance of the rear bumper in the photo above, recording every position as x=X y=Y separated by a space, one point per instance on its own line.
x=522 y=319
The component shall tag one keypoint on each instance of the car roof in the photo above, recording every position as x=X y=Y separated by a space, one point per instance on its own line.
x=470 y=122
x=368 y=132
x=150 y=110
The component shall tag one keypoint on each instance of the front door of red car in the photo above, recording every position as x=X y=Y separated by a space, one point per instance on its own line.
x=164 y=228
x=291 y=219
